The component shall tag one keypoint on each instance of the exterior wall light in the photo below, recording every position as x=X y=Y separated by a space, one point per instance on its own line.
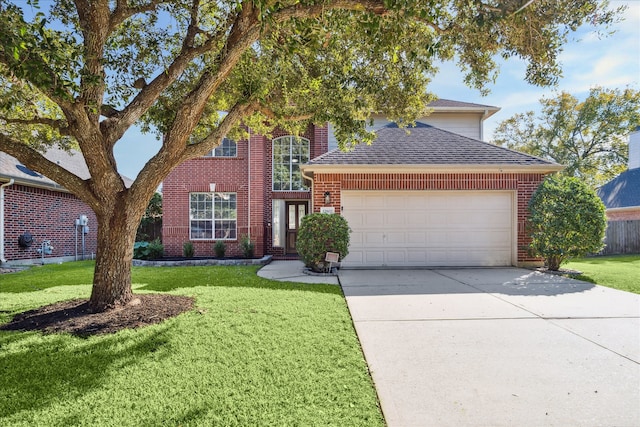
x=327 y=198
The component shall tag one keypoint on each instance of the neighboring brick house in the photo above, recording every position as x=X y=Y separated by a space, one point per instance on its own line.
x=621 y=195
x=35 y=205
x=434 y=195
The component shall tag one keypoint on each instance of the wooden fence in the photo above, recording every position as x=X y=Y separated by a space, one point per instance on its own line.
x=623 y=237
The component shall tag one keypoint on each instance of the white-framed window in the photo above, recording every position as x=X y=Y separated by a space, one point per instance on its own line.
x=227 y=148
x=289 y=152
x=213 y=216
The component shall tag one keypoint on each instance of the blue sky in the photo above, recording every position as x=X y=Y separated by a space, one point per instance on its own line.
x=587 y=60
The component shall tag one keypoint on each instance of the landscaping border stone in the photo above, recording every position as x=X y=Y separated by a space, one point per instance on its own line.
x=200 y=262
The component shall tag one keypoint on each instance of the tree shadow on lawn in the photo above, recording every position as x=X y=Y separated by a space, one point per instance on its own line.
x=219 y=276
x=36 y=370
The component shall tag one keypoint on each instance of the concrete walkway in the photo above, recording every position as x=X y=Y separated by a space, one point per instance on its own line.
x=497 y=347
x=293 y=271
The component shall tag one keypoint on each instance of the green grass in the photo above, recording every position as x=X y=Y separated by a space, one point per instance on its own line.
x=619 y=271
x=253 y=353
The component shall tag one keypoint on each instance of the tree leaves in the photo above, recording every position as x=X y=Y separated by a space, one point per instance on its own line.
x=588 y=137
x=567 y=220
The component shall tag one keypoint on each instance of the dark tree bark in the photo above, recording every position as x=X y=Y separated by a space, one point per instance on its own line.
x=112 y=276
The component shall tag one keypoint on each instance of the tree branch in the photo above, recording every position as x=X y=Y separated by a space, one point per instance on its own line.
x=124 y=11
x=59 y=125
x=36 y=161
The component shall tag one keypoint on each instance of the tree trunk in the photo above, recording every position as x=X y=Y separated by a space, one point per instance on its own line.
x=553 y=262
x=112 y=275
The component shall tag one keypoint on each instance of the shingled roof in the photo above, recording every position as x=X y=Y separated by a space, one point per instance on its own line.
x=429 y=146
x=11 y=168
x=622 y=191
x=449 y=103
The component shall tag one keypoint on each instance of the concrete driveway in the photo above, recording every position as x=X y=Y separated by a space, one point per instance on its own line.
x=497 y=347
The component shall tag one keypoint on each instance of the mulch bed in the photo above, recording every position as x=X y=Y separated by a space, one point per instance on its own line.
x=76 y=317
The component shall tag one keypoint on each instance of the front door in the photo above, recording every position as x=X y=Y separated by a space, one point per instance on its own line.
x=295 y=212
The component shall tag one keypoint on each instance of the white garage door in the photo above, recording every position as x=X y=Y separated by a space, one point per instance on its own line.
x=429 y=228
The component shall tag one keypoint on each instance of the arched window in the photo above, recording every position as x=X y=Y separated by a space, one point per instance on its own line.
x=289 y=152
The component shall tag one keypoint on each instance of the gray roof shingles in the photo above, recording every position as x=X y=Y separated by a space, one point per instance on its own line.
x=427 y=145
x=10 y=167
x=622 y=191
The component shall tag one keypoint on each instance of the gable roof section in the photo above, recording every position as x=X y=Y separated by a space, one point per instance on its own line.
x=428 y=147
x=622 y=191
x=449 y=105
x=11 y=168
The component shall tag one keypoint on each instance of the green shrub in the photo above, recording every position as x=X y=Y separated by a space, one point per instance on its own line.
x=319 y=234
x=246 y=246
x=567 y=220
x=219 y=248
x=148 y=250
x=188 y=251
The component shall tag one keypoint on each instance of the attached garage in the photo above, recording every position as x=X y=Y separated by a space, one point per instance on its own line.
x=427 y=197
x=429 y=228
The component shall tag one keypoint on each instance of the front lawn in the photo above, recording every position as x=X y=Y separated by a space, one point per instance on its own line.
x=618 y=271
x=252 y=353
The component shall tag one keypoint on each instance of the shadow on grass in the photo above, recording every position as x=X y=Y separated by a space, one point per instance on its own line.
x=172 y=278
x=159 y=279
x=37 y=370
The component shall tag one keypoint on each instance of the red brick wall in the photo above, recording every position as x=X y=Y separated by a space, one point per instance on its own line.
x=626 y=215
x=253 y=164
x=524 y=184
x=47 y=215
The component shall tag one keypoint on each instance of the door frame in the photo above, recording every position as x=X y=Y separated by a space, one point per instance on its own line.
x=291 y=234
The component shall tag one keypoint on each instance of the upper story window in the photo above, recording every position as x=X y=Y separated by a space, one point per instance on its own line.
x=227 y=148
x=289 y=152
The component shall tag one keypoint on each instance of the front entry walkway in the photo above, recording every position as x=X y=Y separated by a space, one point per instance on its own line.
x=497 y=347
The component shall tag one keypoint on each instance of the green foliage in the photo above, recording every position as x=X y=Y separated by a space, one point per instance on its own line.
x=247 y=246
x=618 y=271
x=319 y=234
x=81 y=73
x=567 y=220
x=188 y=251
x=285 y=354
x=588 y=137
x=151 y=223
x=220 y=248
x=148 y=250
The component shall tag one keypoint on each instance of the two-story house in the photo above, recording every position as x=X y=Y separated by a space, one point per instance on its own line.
x=432 y=195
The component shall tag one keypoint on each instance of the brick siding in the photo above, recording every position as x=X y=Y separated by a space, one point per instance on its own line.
x=627 y=215
x=46 y=215
x=523 y=184
x=253 y=164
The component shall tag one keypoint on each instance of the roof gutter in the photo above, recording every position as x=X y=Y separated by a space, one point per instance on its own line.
x=2 y=187
x=430 y=168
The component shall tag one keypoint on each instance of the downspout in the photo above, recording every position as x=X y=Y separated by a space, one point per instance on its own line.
x=2 y=258
x=310 y=179
x=249 y=187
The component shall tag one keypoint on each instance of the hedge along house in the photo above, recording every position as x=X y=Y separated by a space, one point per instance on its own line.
x=263 y=188
x=36 y=210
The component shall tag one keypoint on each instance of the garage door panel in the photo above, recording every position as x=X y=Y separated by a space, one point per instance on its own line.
x=429 y=228
x=417 y=237
x=373 y=257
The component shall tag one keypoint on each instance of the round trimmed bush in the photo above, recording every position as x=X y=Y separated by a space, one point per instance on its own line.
x=319 y=234
x=567 y=220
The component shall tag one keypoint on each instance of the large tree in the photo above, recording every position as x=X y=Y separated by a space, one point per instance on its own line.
x=589 y=137
x=88 y=70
